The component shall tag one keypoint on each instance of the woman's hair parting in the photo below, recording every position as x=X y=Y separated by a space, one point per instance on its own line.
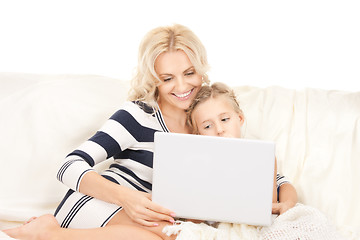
x=159 y=40
x=206 y=92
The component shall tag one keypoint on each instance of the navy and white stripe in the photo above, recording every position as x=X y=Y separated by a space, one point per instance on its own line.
x=128 y=138
x=161 y=121
x=74 y=210
x=63 y=168
x=280 y=180
x=127 y=135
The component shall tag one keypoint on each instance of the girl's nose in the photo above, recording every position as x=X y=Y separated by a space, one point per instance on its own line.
x=219 y=129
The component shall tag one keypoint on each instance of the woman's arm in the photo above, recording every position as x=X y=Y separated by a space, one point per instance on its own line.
x=137 y=205
x=113 y=138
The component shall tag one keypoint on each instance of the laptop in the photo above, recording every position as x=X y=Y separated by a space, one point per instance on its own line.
x=214 y=178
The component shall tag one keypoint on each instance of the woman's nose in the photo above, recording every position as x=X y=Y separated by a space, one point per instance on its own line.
x=180 y=84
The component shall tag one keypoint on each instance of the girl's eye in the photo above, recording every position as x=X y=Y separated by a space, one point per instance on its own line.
x=207 y=126
x=225 y=119
x=167 y=79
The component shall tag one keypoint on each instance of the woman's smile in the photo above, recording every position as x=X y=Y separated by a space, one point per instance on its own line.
x=183 y=96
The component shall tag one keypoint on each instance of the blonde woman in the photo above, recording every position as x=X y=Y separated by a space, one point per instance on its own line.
x=116 y=204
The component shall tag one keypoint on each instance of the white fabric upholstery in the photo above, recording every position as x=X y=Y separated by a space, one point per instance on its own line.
x=43 y=117
x=317 y=135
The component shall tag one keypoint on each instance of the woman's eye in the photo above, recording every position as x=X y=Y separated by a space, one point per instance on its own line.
x=189 y=73
x=167 y=79
x=225 y=119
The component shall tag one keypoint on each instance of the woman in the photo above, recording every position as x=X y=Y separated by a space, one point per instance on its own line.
x=171 y=69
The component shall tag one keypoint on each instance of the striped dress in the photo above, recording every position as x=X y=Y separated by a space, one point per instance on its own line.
x=128 y=138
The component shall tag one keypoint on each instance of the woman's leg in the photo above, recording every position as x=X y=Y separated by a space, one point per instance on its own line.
x=90 y=221
x=121 y=218
x=93 y=213
x=81 y=211
x=47 y=228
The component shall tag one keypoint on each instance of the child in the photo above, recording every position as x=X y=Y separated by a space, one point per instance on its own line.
x=215 y=111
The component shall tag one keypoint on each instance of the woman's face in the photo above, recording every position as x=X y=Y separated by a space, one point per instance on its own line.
x=217 y=117
x=179 y=80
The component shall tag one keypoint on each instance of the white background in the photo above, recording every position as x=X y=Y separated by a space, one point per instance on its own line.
x=294 y=44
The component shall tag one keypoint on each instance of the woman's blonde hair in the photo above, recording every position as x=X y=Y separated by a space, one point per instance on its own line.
x=206 y=92
x=159 y=40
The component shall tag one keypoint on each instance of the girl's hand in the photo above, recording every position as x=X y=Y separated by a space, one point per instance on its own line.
x=281 y=207
x=139 y=207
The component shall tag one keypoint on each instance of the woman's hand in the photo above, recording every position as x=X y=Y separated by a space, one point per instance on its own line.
x=139 y=207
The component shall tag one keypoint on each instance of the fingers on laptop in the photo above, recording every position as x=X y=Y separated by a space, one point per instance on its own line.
x=161 y=213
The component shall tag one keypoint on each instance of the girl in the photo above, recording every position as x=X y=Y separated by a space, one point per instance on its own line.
x=215 y=111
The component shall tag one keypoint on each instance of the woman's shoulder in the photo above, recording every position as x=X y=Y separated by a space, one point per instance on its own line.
x=146 y=107
x=137 y=113
x=137 y=109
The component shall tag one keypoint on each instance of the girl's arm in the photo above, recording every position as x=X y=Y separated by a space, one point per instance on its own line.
x=287 y=199
x=274 y=199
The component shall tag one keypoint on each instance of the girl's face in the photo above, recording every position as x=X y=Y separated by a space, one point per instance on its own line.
x=179 y=80
x=217 y=117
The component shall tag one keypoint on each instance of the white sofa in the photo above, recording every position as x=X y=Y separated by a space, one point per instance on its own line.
x=43 y=117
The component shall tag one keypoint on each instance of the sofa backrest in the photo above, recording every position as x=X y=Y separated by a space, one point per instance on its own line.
x=44 y=117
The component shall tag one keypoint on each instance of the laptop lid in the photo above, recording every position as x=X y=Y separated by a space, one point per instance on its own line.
x=214 y=178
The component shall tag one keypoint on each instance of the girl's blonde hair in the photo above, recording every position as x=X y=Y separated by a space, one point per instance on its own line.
x=159 y=40
x=206 y=92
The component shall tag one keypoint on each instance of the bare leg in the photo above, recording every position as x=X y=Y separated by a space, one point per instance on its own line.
x=40 y=228
x=121 y=218
x=47 y=228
